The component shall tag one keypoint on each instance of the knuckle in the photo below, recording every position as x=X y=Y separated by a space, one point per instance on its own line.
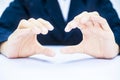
x=95 y=12
x=39 y=19
x=76 y=18
x=85 y=12
x=31 y=19
x=23 y=21
x=43 y=21
x=104 y=20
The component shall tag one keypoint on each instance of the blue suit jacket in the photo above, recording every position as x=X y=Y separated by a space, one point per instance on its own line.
x=49 y=10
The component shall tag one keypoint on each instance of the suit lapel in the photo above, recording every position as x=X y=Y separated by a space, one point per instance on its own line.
x=54 y=12
x=76 y=7
x=53 y=9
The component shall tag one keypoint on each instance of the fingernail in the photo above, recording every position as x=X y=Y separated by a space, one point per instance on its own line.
x=67 y=30
x=51 y=28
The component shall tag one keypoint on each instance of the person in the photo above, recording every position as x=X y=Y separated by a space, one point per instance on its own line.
x=84 y=26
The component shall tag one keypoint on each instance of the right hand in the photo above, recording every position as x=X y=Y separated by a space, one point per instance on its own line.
x=23 y=41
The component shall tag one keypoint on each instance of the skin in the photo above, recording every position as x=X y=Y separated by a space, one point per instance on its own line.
x=23 y=41
x=98 y=39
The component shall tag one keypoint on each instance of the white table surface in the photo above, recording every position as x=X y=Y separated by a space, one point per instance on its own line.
x=60 y=67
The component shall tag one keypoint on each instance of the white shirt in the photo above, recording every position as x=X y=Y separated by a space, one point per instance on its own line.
x=64 y=6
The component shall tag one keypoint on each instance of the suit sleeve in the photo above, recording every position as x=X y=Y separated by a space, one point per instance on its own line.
x=107 y=11
x=110 y=14
x=10 y=19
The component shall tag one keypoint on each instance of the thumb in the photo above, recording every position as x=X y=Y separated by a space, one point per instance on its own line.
x=72 y=49
x=45 y=51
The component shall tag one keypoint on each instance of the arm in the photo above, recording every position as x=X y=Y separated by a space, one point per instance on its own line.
x=11 y=18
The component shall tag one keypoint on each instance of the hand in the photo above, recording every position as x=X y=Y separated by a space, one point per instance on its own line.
x=23 y=41
x=98 y=39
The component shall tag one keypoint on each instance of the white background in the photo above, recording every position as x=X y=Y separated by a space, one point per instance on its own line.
x=61 y=67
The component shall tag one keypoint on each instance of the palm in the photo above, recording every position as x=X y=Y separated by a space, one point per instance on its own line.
x=96 y=40
x=26 y=43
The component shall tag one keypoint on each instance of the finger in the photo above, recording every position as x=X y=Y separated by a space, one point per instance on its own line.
x=46 y=24
x=102 y=22
x=88 y=22
x=85 y=19
x=24 y=24
x=94 y=13
x=96 y=24
x=45 y=51
x=38 y=25
x=48 y=52
x=72 y=49
x=75 y=22
x=82 y=18
x=71 y=25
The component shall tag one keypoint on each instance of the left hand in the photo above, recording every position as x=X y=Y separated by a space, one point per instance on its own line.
x=98 y=39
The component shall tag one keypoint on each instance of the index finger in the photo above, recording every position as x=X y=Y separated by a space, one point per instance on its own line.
x=46 y=23
x=78 y=22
